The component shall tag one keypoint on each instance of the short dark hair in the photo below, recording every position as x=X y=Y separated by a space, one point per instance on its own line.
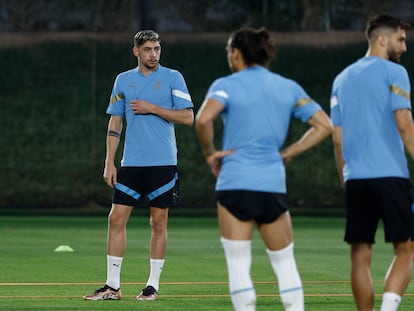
x=145 y=35
x=256 y=45
x=384 y=20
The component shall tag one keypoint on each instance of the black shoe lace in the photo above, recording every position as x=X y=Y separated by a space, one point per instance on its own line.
x=104 y=288
x=149 y=290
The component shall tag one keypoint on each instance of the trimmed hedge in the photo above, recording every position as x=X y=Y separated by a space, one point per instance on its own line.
x=54 y=97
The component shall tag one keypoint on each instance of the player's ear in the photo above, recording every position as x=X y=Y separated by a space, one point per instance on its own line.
x=135 y=51
x=236 y=53
x=382 y=39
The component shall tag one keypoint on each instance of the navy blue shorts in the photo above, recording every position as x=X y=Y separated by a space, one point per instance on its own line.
x=158 y=184
x=369 y=200
x=262 y=207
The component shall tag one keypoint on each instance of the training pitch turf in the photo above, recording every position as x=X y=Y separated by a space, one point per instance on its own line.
x=36 y=277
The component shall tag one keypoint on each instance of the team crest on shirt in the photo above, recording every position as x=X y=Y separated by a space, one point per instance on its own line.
x=158 y=85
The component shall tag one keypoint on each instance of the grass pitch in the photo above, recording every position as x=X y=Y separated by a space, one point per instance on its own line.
x=35 y=277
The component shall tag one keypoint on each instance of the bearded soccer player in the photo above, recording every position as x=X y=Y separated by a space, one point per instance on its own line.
x=371 y=113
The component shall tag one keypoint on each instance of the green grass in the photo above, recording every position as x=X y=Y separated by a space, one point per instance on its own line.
x=35 y=277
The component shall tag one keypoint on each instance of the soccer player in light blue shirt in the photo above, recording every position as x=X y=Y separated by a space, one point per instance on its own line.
x=256 y=106
x=151 y=98
x=371 y=113
x=258 y=127
x=372 y=144
x=149 y=138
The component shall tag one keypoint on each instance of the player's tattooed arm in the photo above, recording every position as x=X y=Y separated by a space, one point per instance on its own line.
x=114 y=134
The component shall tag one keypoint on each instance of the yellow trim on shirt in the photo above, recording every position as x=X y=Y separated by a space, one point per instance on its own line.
x=302 y=102
x=399 y=91
x=116 y=98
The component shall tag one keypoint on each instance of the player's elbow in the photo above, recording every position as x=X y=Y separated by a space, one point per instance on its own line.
x=325 y=129
x=407 y=135
x=189 y=118
x=337 y=136
x=202 y=121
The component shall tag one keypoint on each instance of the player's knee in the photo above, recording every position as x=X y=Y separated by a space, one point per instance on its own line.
x=116 y=220
x=158 y=224
x=404 y=248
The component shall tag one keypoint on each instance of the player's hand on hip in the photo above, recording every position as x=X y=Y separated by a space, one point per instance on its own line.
x=215 y=159
x=285 y=156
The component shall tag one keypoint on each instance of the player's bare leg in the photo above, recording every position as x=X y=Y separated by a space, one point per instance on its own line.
x=158 y=250
x=278 y=238
x=117 y=241
x=159 y=232
x=116 y=245
x=398 y=275
x=361 y=279
x=278 y=234
x=232 y=228
x=117 y=221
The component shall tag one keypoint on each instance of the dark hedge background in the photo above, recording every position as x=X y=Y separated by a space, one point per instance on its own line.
x=53 y=99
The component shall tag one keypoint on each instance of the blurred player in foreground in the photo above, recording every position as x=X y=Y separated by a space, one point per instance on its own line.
x=256 y=106
x=371 y=112
x=152 y=98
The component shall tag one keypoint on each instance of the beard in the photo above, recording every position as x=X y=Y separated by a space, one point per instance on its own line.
x=394 y=56
x=150 y=65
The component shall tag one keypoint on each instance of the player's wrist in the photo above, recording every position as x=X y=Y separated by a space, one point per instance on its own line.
x=209 y=152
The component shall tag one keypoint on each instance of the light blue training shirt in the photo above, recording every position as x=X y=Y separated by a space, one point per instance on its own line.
x=258 y=107
x=149 y=139
x=364 y=98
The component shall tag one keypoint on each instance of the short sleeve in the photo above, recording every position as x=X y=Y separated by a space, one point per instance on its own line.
x=116 y=104
x=180 y=94
x=400 y=88
x=305 y=107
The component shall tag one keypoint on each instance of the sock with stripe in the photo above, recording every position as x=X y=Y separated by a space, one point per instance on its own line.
x=239 y=258
x=290 y=285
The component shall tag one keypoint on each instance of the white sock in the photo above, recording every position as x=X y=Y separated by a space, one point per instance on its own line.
x=290 y=284
x=239 y=258
x=113 y=274
x=156 y=266
x=390 y=301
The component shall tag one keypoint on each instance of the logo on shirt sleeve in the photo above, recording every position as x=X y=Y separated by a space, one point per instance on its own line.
x=303 y=101
x=222 y=94
x=399 y=91
x=181 y=94
x=334 y=101
x=116 y=98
